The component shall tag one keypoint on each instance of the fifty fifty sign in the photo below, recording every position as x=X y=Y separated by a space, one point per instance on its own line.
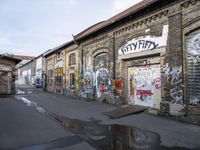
x=145 y=43
x=140 y=44
x=137 y=46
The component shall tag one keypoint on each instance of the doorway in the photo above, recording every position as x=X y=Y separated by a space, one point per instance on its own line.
x=144 y=85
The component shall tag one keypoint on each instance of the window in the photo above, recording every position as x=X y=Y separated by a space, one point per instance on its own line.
x=72 y=79
x=58 y=79
x=72 y=59
x=58 y=75
x=58 y=55
x=101 y=61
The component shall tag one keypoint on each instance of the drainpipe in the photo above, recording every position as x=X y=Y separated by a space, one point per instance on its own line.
x=113 y=47
x=82 y=60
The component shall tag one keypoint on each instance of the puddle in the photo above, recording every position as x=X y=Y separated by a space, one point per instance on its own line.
x=102 y=137
x=20 y=92
x=114 y=137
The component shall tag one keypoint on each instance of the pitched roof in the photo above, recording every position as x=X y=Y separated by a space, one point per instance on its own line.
x=16 y=60
x=133 y=9
x=23 y=57
x=51 y=51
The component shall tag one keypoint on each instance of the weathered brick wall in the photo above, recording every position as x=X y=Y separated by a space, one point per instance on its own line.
x=69 y=69
x=153 y=26
x=50 y=62
x=182 y=17
x=190 y=25
x=6 y=83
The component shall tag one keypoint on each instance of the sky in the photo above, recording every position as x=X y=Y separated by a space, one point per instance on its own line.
x=31 y=27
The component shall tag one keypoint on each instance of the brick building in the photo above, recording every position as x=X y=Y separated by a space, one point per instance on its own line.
x=148 y=55
x=7 y=75
x=62 y=69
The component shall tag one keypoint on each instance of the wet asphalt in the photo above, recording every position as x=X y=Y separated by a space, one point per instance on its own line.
x=34 y=119
x=24 y=128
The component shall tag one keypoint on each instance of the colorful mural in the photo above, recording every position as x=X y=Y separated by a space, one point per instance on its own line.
x=102 y=79
x=144 y=85
x=88 y=83
x=103 y=82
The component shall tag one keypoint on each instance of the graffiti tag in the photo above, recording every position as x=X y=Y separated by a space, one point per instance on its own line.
x=139 y=45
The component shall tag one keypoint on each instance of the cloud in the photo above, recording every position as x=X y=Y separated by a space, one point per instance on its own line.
x=31 y=27
x=120 y=5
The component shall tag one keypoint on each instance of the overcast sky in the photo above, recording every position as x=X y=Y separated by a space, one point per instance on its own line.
x=30 y=27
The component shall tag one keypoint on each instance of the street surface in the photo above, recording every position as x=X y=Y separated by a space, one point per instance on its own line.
x=34 y=119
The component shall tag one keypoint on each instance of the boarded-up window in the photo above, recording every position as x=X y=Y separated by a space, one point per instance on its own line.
x=193 y=67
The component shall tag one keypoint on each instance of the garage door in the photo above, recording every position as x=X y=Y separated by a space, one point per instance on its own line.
x=144 y=85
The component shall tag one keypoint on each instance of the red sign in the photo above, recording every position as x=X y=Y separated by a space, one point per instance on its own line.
x=118 y=84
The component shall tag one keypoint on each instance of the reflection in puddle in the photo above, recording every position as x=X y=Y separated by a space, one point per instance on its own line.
x=112 y=137
x=106 y=137
x=20 y=92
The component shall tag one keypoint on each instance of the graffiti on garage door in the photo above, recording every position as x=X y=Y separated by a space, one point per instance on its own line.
x=144 y=85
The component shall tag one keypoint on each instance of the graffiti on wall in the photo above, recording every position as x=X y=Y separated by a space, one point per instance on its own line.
x=144 y=43
x=88 y=82
x=166 y=72
x=144 y=85
x=193 y=67
x=176 y=84
x=173 y=75
x=139 y=46
x=103 y=82
x=194 y=59
x=194 y=45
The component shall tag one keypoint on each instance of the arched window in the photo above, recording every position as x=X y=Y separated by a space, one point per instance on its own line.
x=72 y=59
x=101 y=61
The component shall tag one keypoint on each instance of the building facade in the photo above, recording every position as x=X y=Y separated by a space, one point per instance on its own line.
x=50 y=63
x=73 y=78
x=31 y=73
x=27 y=74
x=62 y=69
x=40 y=71
x=147 y=55
x=7 y=75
